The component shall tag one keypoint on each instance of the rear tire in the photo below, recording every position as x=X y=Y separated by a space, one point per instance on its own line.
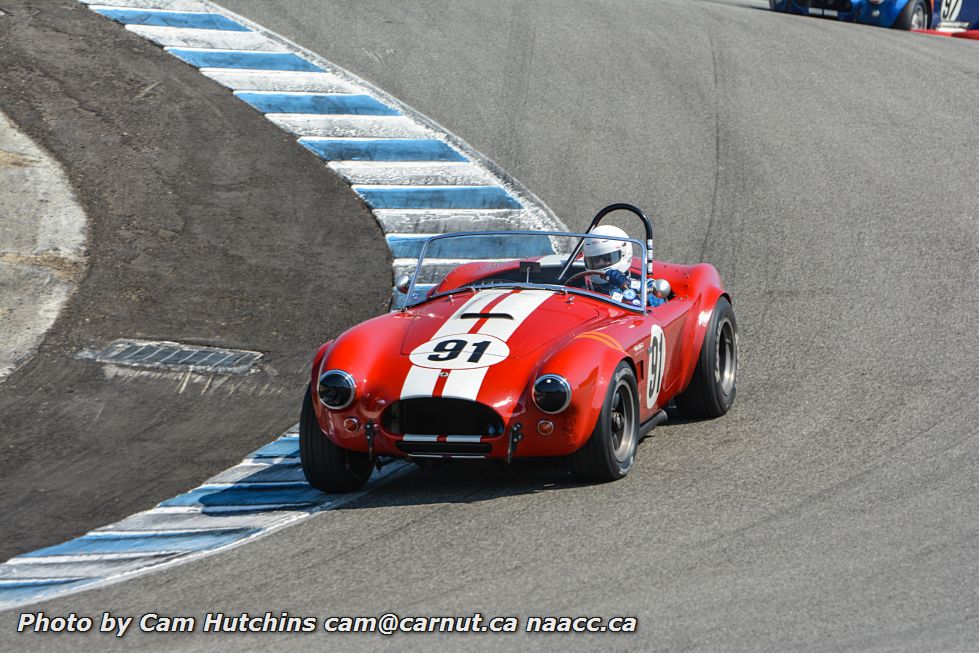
x=611 y=450
x=914 y=16
x=328 y=467
x=714 y=384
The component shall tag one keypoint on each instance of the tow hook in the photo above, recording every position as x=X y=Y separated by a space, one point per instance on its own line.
x=369 y=429
x=516 y=435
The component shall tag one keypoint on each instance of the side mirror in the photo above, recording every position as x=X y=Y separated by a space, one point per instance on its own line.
x=402 y=284
x=661 y=288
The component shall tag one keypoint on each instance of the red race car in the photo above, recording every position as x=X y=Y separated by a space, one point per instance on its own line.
x=523 y=344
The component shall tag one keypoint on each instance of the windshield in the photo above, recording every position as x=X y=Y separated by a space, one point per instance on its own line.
x=473 y=260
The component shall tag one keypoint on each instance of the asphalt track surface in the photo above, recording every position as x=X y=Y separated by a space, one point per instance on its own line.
x=829 y=171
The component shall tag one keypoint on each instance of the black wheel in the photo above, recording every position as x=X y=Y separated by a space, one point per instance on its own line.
x=914 y=16
x=610 y=451
x=327 y=467
x=714 y=384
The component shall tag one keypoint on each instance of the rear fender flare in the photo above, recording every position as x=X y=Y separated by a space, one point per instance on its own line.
x=705 y=279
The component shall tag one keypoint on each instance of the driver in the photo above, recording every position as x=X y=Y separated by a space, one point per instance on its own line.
x=614 y=258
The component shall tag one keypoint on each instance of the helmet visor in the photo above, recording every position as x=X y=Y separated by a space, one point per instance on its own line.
x=603 y=260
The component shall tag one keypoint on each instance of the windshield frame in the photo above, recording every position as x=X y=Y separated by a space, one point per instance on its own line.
x=517 y=284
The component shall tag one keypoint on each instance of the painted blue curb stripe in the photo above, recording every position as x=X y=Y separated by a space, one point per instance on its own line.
x=35 y=582
x=12 y=592
x=283 y=447
x=299 y=495
x=474 y=247
x=382 y=149
x=145 y=542
x=458 y=197
x=244 y=60
x=281 y=472
x=358 y=105
x=172 y=19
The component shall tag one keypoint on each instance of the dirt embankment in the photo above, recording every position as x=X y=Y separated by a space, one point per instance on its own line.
x=206 y=225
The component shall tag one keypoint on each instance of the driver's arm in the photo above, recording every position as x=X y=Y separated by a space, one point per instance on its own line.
x=623 y=282
x=617 y=279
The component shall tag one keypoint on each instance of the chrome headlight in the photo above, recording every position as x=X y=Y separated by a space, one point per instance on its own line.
x=335 y=389
x=552 y=393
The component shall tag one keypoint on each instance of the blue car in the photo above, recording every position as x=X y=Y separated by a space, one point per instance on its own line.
x=900 y=14
x=956 y=15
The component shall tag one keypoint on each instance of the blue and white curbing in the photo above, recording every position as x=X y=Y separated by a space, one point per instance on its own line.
x=265 y=492
x=417 y=178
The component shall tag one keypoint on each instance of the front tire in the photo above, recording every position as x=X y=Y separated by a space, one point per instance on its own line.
x=914 y=16
x=611 y=450
x=714 y=384
x=328 y=467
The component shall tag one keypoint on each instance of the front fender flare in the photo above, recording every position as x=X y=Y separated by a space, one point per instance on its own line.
x=588 y=364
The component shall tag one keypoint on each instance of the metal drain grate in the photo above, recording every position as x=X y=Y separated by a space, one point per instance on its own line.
x=173 y=356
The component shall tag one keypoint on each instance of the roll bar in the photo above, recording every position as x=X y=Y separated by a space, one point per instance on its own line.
x=620 y=206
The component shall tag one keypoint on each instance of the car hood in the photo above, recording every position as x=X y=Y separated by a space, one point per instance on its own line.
x=484 y=346
x=517 y=322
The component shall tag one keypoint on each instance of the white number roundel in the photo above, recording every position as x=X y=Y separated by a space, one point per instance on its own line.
x=657 y=365
x=951 y=9
x=461 y=351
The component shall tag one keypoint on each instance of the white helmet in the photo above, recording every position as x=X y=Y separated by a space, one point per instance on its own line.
x=603 y=254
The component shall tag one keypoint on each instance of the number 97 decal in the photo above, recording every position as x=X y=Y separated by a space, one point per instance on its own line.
x=463 y=351
x=656 y=366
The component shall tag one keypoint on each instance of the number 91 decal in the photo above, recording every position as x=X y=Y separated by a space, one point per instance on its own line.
x=657 y=364
x=462 y=351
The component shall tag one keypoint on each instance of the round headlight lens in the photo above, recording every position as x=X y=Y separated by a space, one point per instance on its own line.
x=552 y=393
x=335 y=389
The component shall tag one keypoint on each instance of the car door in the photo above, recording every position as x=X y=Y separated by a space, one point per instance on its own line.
x=665 y=349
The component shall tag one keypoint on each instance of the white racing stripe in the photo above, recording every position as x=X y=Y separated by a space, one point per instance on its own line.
x=519 y=305
x=420 y=381
x=476 y=304
x=465 y=384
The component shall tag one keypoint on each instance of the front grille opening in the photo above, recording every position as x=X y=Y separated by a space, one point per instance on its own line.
x=441 y=416
x=445 y=448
